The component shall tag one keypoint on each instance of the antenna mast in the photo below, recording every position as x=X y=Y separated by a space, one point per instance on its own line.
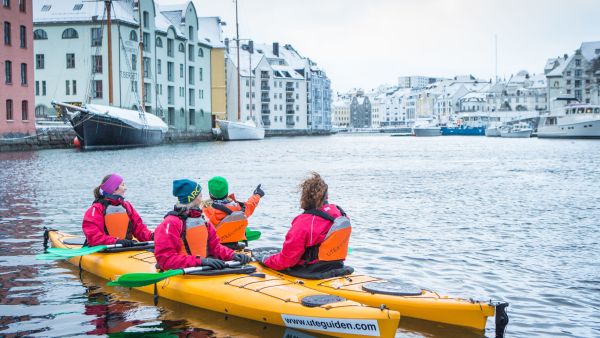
x=237 y=41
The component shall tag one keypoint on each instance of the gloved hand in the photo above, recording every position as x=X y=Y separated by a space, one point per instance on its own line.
x=126 y=242
x=244 y=259
x=214 y=263
x=258 y=191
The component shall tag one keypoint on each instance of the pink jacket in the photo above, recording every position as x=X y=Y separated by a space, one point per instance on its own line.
x=307 y=230
x=93 y=225
x=167 y=244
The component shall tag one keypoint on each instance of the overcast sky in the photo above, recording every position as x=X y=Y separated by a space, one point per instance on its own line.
x=365 y=43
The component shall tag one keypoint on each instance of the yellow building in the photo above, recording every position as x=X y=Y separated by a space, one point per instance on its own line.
x=218 y=83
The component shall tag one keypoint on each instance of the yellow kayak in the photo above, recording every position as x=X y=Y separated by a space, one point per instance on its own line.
x=261 y=297
x=408 y=300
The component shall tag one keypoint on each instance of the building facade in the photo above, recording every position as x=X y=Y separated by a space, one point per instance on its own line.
x=360 y=111
x=16 y=69
x=159 y=60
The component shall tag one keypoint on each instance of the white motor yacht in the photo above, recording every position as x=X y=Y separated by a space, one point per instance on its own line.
x=574 y=120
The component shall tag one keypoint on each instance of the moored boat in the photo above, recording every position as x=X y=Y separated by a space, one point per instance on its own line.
x=265 y=298
x=237 y=131
x=411 y=301
x=517 y=130
x=106 y=127
x=574 y=120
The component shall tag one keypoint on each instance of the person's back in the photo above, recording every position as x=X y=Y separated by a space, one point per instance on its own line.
x=317 y=243
x=229 y=216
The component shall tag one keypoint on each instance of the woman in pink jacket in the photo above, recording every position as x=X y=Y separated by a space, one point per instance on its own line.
x=185 y=239
x=317 y=243
x=111 y=219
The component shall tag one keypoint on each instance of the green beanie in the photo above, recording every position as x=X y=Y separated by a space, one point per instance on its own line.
x=218 y=187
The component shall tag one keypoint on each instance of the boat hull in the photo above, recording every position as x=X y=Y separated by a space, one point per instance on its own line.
x=586 y=129
x=492 y=132
x=266 y=298
x=427 y=132
x=105 y=132
x=236 y=131
x=426 y=306
x=517 y=134
x=471 y=131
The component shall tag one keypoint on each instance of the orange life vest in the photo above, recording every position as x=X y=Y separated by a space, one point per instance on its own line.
x=117 y=222
x=194 y=235
x=335 y=245
x=232 y=228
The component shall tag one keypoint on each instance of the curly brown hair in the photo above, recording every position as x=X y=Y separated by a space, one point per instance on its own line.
x=314 y=192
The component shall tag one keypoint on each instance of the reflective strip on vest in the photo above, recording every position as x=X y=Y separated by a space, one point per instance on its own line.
x=335 y=245
x=196 y=237
x=232 y=228
x=116 y=221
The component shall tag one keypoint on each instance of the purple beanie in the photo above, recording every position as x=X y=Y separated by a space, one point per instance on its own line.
x=111 y=184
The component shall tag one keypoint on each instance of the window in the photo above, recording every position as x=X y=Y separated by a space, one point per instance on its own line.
x=23 y=36
x=133 y=62
x=158 y=42
x=22 y=6
x=77 y=7
x=46 y=8
x=39 y=61
x=170 y=71
x=25 y=110
x=158 y=67
x=190 y=53
x=200 y=75
x=9 y=110
x=191 y=97
x=40 y=34
x=74 y=87
x=170 y=95
x=8 y=72
x=133 y=36
x=43 y=88
x=70 y=60
x=134 y=86
x=6 y=33
x=191 y=75
x=170 y=47
x=23 y=74
x=97 y=64
x=97 y=89
x=569 y=73
x=191 y=33
x=147 y=92
x=181 y=70
x=147 y=68
x=578 y=63
x=192 y=117
x=6 y=3
x=577 y=72
x=70 y=33
x=96 y=37
x=146 y=19
x=200 y=52
x=200 y=93
x=147 y=42
x=181 y=48
x=37 y=88
x=67 y=87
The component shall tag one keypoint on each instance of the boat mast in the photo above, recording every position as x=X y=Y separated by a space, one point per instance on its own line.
x=141 y=49
x=237 y=41
x=250 y=77
x=107 y=4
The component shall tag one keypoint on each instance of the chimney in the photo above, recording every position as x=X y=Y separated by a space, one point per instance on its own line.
x=227 y=44
x=566 y=56
x=251 y=47
x=276 y=48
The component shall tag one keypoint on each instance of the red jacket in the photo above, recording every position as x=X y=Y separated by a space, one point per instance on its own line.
x=307 y=230
x=167 y=243
x=93 y=225
x=215 y=216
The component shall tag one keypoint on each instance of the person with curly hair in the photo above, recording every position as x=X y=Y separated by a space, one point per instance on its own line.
x=317 y=243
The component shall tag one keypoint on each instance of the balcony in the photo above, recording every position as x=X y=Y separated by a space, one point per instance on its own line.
x=289 y=89
x=290 y=111
x=265 y=99
x=264 y=75
x=266 y=121
x=290 y=123
x=290 y=100
x=265 y=87
x=265 y=111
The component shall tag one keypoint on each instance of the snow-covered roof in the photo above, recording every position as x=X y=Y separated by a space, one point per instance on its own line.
x=552 y=63
x=209 y=31
x=590 y=50
x=561 y=68
x=131 y=117
x=162 y=23
x=287 y=72
x=47 y=11
x=538 y=81
x=245 y=59
x=474 y=97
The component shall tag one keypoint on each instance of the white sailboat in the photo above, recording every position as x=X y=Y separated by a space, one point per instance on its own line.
x=238 y=130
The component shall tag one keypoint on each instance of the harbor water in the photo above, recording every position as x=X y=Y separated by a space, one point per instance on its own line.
x=514 y=220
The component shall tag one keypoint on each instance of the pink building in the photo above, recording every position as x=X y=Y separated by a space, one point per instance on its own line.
x=17 y=103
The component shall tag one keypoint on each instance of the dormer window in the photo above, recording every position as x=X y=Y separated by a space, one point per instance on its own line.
x=133 y=36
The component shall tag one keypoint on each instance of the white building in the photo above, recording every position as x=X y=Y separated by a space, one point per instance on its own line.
x=340 y=116
x=172 y=69
x=415 y=81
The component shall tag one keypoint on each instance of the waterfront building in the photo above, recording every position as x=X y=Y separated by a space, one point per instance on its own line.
x=160 y=60
x=278 y=87
x=576 y=76
x=360 y=111
x=210 y=33
x=415 y=81
x=16 y=69
x=341 y=112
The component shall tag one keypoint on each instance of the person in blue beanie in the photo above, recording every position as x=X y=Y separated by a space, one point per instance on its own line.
x=185 y=239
